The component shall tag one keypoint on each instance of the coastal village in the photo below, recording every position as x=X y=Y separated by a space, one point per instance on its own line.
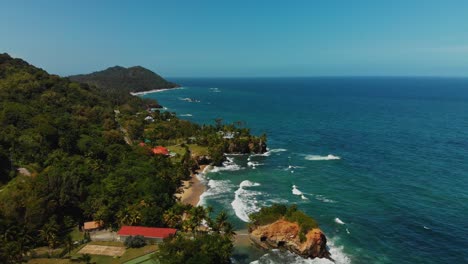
x=131 y=189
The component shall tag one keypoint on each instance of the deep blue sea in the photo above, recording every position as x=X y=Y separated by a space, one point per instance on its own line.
x=381 y=163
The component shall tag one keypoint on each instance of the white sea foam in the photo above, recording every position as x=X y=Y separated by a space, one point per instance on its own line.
x=338 y=221
x=254 y=164
x=318 y=157
x=304 y=198
x=324 y=199
x=190 y=100
x=266 y=154
x=290 y=167
x=186 y=115
x=347 y=231
x=427 y=228
x=228 y=165
x=156 y=91
x=296 y=191
x=215 y=90
x=245 y=201
x=280 y=257
x=277 y=150
x=269 y=152
x=216 y=188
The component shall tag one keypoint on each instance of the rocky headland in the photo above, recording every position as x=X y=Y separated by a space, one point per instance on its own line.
x=289 y=229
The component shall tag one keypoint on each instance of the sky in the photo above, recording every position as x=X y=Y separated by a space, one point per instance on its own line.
x=241 y=38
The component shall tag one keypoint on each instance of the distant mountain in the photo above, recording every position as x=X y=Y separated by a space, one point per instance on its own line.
x=120 y=79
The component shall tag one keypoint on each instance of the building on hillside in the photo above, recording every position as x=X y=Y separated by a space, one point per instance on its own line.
x=156 y=234
x=92 y=226
x=160 y=150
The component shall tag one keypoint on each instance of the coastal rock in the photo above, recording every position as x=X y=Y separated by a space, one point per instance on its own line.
x=285 y=234
x=203 y=160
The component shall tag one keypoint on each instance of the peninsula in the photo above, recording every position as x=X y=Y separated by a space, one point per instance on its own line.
x=129 y=80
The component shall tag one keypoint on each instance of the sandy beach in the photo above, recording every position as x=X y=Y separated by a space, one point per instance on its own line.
x=192 y=189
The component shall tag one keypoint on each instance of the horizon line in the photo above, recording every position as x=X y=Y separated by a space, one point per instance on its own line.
x=325 y=76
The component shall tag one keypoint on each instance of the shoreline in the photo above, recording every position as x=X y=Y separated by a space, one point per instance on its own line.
x=154 y=91
x=192 y=189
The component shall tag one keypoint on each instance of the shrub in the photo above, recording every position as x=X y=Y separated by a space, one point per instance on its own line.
x=135 y=242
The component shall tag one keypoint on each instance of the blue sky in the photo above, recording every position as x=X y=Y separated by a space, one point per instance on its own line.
x=241 y=38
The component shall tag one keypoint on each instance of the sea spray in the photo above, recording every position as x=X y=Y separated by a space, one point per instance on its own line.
x=276 y=256
x=245 y=201
x=296 y=191
x=318 y=157
x=228 y=165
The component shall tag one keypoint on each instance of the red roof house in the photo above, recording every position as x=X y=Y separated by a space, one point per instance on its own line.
x=157 y=233
x=160 y=150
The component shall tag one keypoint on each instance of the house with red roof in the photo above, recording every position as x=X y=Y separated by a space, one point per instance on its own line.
x=150 y=233
x=160 y=150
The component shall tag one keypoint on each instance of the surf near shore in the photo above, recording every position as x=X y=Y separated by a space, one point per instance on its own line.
x=155 y=91
x=193 y=188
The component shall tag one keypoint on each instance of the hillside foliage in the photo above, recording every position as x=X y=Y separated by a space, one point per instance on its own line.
x=80 y=150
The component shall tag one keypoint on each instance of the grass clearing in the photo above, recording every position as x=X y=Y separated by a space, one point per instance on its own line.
x=198 y=150
x=132 y=253
x=76 y=234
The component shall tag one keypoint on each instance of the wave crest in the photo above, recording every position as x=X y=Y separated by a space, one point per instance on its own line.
x=318 y=157
x=228 y=165
x=245 y=202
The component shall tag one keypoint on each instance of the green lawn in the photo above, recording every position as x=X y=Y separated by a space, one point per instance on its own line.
x=76 y=234
x=198 y=150
x=180 y=151
x=133 y=253
x=145 y=259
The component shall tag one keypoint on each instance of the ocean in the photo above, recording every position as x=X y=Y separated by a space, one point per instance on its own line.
x=380 y=163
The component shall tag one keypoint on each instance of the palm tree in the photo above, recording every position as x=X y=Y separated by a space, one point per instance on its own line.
x=172 y=219
x=69 y=243
x=49 y=233
x=197 y=215
x=228 y=230
x=220 y=222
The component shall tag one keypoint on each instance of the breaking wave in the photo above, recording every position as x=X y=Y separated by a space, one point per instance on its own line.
x=324 y=199
x=338 y=221
x=268 y=153
x=296 y=191
x=254 y=164
x=186 y=115
x=318 y=157
x=215 y=189
x=245 y=201
x=276 y=256
x=228 y=165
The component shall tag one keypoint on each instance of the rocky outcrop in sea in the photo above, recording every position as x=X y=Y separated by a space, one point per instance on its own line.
x=286 y=235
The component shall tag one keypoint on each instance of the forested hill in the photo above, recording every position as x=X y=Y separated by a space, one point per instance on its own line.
x=67 y=136
x=69 y=153
x=120 y=79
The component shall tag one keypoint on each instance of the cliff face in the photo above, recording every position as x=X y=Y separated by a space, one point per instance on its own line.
x=284 y=234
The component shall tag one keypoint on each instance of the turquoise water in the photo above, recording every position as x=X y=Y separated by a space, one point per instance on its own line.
x=381 y=163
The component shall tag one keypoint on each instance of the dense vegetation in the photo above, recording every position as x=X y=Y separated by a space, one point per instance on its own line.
x=77 y=151
x=117 y=78
x=198 y=243
x=268 y=215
